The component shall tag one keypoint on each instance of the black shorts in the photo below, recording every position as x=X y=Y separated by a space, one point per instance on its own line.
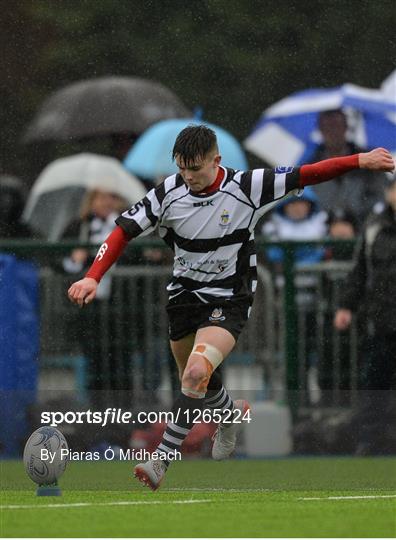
x=187 y=314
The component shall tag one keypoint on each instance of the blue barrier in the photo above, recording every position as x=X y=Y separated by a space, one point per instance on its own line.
x=19 y=350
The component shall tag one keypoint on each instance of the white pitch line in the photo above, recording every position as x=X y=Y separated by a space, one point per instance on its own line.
x=210 y=490
x=345 y=497
x=114 y=503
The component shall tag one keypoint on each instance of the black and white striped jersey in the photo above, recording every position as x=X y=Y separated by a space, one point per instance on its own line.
x=212 y=235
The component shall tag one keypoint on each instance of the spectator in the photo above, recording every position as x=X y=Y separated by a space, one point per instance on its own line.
x=109 y=365
x=296 y=218
x=342 y=225
x=12 y=202
x=300 y=218
x=347 y=190
x=371 y=287
x=334 y=366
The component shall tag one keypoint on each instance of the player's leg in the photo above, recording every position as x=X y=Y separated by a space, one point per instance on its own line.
x=217 y=397
x=210 y=347
x=181 y=350
x=152 y=472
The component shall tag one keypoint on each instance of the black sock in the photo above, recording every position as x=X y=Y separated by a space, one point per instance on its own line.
x=217 y=396
x=184 y=413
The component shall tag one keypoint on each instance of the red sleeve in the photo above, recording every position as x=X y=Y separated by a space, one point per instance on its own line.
x=108 y=253
x=327 y=169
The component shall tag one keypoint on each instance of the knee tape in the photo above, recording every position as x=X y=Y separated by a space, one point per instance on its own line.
x=212 y=355
x=212 y=358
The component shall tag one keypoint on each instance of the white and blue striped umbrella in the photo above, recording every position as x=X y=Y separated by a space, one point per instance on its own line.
x=287 y=132
x=151 y=155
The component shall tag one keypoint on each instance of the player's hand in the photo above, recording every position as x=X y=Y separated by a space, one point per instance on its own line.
x=83 y=291
x=378 y=159
x=342 y=319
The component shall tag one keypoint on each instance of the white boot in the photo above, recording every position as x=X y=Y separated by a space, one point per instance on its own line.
x=150 y=473
x=224 y=438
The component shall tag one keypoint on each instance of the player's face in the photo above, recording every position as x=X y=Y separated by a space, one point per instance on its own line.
x=201 y=172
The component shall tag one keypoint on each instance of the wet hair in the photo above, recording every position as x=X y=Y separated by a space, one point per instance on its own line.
x=194 y=142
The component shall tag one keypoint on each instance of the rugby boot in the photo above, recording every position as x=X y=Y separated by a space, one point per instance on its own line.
x=225 y=437
x=150 y=473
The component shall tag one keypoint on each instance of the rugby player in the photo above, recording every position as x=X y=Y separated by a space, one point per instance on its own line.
x=207 y=214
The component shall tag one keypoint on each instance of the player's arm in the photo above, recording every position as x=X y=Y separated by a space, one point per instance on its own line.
x=264 y=186
x=84 y=290
x=378 y=159
x=141 y=218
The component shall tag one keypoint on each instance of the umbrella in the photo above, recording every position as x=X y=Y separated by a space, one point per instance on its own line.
x=151 y=155
x=103 y=106
x=287 y=132
x=56 y=196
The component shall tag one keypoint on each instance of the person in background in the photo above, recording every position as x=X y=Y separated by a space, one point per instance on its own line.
x=371 y=288
x=342 y=225
x=296 y=218
x=12 y=202
x=334 y=366
x=300 y=218
x=109 y=365
x=358 y=190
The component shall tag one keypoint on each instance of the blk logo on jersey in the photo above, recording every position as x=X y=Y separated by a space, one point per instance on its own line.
x=203 y=203
x=217 y=315
x=225 y=218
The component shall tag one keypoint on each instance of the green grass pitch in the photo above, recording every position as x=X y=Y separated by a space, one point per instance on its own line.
x=237 y=498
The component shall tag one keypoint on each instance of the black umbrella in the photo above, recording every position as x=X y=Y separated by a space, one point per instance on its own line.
x=103 y=106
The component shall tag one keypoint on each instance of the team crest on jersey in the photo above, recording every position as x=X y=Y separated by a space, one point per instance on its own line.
x=217 y=315
x=224 y=218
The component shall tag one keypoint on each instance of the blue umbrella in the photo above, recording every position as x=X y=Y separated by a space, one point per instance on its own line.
x=151 y=155
x=287 y=132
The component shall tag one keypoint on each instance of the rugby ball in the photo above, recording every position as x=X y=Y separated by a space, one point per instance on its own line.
x=45 y=455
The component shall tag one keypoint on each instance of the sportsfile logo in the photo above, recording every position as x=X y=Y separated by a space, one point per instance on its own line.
x=102 y=250
x=113 y=415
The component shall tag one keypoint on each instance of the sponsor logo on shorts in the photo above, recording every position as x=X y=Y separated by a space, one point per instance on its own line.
x=217 y=315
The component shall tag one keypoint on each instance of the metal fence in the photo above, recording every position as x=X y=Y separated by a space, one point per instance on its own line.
x=288 y=350
x=327 y=359
x=129 y=331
